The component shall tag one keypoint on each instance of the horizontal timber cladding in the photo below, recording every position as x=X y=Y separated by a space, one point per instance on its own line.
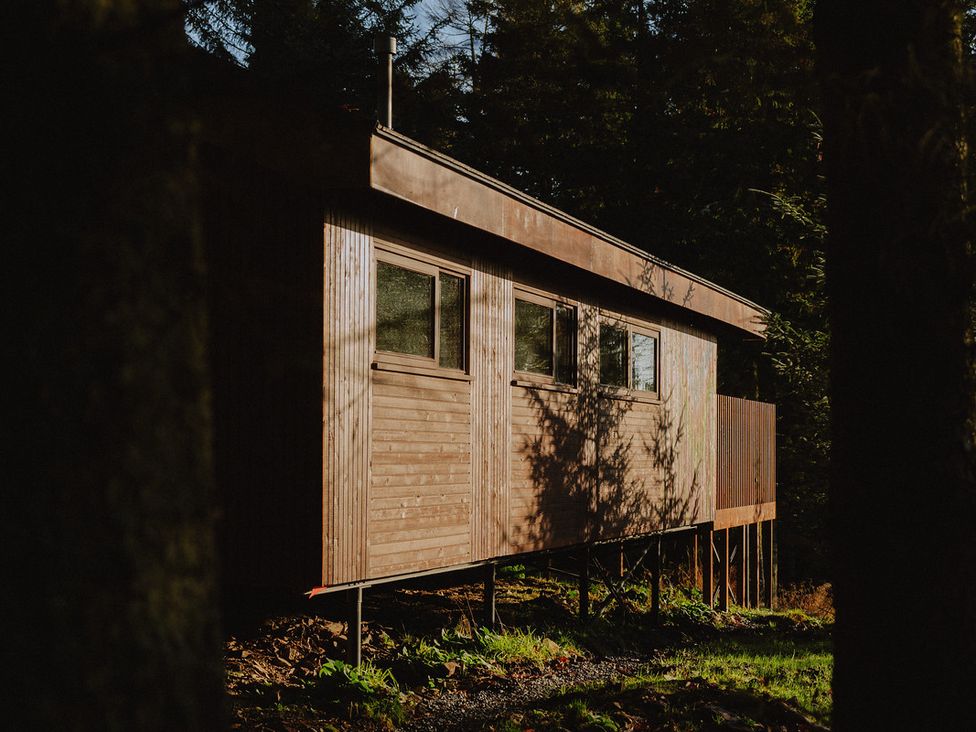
x=590 y=465
x=746 y=449
x=348 y=305
x=420 y=495
x=427 y=468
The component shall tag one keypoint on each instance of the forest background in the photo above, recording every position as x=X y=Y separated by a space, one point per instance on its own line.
x=689 y=128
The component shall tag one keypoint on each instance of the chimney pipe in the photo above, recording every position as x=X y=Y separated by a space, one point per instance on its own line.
x=385 y=46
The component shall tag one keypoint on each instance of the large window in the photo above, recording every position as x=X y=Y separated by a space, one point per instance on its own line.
x=545 y=338
x=629 y=357
x=420 y=311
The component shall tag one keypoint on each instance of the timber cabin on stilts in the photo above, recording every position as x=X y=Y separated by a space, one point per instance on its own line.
x=420 y=369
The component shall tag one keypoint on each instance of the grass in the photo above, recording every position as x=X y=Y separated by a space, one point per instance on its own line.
x=743 y=681
x=798 y=670
x=745 y=669
x=523 y=646
x=458 y=651
x=364 y=691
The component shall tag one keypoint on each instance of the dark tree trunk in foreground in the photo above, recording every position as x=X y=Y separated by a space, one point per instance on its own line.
x=110 y=619
x=900 y=276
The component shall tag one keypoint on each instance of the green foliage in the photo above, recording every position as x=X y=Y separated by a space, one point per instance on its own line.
x=367 y=691
x=693 y=612
x=520 y=646
x=512 y=571
x=456 y=652
x=797 y=345
x=341 y=681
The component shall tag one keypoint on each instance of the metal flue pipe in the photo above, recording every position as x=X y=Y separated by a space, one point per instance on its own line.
x=384 y=46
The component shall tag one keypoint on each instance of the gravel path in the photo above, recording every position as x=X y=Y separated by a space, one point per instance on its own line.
x=462 y=709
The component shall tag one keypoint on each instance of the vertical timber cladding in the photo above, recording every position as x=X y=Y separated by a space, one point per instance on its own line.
x=348 y=306
x=656 y=459
x=589 y=466
x=690 y=379
x=491 y=354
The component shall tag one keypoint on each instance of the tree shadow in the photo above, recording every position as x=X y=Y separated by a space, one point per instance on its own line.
x=601 y=466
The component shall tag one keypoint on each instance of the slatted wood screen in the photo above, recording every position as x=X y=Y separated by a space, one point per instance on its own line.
x=746 y=433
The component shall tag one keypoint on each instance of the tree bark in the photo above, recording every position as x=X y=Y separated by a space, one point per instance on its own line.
x=110 y=613
x=900 y=277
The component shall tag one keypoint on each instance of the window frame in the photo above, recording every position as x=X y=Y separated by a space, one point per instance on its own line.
x=419 y=262
x=631 y=326
x=548 y=300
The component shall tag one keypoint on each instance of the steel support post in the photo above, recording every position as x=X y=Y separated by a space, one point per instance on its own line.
x=723 y=597
x=707 y=545
x=354 y=634
x=489 y=614
x=656 y=582
x=584 y=586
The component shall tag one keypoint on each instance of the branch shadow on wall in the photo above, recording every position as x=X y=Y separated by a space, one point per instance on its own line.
x=597 y=467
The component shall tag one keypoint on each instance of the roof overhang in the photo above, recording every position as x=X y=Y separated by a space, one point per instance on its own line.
x=346 y=152
x=409 y=171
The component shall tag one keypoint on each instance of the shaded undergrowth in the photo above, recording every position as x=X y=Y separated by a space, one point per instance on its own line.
x=698 y=669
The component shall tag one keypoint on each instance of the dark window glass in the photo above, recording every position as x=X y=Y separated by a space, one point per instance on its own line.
x=613 y=355
x=404 y=310
x=644 y=355
x=565 y=345
x=533 y=338
x=452 y=322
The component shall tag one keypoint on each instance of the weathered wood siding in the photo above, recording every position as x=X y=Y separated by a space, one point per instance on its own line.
x=656 y=464
x=491 y=356
x=689 y=365
x=348 y=316
x=586 y=465
x=746 y=453
x=426 y=471
x=549 y=478
x=420 y=493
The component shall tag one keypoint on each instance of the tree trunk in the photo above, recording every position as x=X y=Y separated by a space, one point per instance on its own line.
x=900 y=275
x=110 y=613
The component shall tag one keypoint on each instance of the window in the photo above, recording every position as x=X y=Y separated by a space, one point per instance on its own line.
x=545 y=338
x=628 y=357
x=420 y=311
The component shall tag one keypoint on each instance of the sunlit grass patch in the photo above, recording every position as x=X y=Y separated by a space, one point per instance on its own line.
x=522 y=646
x=797 y=670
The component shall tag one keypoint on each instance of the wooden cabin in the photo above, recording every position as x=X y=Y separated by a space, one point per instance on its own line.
x=419 y=368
